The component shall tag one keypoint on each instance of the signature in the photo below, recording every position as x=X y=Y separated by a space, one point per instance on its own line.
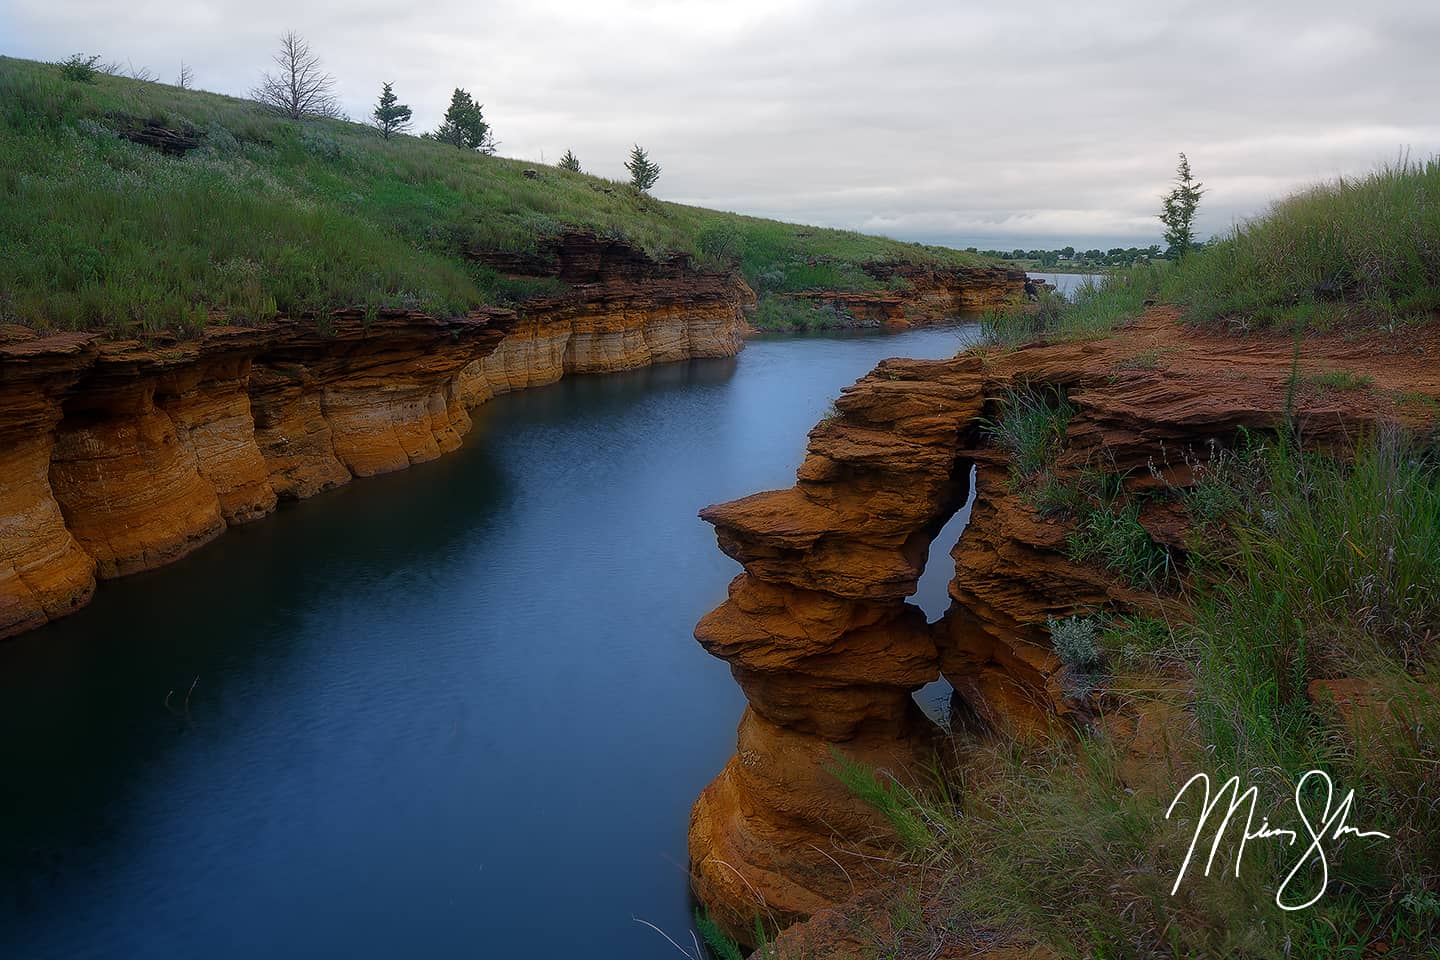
x=1330 y=825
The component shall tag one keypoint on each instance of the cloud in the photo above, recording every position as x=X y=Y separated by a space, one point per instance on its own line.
x=949 y=122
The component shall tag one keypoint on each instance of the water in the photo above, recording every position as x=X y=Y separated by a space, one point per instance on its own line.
x=454 y=711
x=1065 y=283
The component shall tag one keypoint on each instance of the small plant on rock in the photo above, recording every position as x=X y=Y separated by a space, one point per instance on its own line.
x=1031 y=426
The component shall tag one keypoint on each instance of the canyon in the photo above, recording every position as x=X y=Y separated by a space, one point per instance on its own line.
x=821 y=637
x=124 y=455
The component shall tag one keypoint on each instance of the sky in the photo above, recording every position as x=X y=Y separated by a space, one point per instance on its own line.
x=991 y=124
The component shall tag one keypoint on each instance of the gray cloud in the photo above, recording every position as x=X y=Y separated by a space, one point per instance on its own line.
x=963 y=123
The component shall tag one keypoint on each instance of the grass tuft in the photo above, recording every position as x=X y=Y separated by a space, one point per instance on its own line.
x=1030 y=426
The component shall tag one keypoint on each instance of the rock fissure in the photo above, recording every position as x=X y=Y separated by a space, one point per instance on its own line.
x=818 y=629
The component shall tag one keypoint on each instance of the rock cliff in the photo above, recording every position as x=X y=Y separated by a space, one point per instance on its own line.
x=917 y=294
x=817 y=629
x=621 y=310
x=120 y=456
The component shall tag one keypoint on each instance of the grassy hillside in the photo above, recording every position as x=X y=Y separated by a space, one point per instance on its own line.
x=268 y=216
x=1347 y=252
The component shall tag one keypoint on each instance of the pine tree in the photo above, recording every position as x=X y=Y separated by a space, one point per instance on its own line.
x=1179 y=212
x=390 y=117
x=464 y=125
x=643 y=173
x=569 y=162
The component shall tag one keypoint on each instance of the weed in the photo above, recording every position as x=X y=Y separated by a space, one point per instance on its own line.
x=1030 y=426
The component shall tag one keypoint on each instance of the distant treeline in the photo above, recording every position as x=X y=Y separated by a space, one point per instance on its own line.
x=1070 y=257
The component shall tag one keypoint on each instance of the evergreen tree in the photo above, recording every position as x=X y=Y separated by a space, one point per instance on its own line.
x=569 y=162
x=464 y=125
x=643 y=173
x=1179 y=212
x=390 y=116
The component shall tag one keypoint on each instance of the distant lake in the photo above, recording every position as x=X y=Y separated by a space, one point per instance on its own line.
x=1066 y=282
x=456 y=711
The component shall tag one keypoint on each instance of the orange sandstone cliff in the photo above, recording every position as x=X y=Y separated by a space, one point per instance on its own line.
x=818 y=632
x=916 y=295
x=120 y=456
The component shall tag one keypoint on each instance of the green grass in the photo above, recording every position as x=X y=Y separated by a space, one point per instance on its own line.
x=780 y=314
x=1359 y=250
x=1325 y=567
x=270 y=217
x=1092 y=310
x=1370 y=243
x=1340 y=380
x=1109 y=534
x=1030 y=425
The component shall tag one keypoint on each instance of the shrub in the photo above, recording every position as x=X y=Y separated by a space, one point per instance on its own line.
x=781 y=313
x=80 y=68
x=720 y=243
x=1074 y=641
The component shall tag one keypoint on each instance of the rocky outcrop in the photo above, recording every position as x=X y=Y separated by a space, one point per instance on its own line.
x=817 y=629
x=120 y=456
x=130 y=455
x=622 y=311
x=915 y=294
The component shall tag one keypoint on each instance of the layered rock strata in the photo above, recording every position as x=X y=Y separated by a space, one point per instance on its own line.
x=915 y=295
x=122 y=456
x=621 y=310
x=817 y=629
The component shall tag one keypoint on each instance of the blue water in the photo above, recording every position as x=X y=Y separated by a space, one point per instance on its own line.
x=454 y=711
x=1066 y=283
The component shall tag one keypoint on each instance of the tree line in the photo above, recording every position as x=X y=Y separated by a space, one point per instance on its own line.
x=1177 y=214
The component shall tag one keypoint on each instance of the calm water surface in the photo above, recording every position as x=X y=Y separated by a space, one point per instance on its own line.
x=452 y=712
x=1066 y=283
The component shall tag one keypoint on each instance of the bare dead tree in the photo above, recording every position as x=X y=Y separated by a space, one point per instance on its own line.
x=186 y=79
x=143 y=74
x=300 y=89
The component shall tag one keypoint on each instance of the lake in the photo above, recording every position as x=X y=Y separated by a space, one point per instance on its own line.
x=1066 y=283
x=454 y=711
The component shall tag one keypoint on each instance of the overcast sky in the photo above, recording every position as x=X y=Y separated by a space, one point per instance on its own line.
x=997 y=124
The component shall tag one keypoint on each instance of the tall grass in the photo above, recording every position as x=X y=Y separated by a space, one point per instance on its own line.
x=1092 y=309
x=1354 y=250
x=1368 y=243
x=271 y=217
x=1325 y=567
x=1334 y=570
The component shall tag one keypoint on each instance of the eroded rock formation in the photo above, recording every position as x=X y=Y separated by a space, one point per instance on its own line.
x=917 y=295
x=817 y=630
x=621 y=310
x=122 y=456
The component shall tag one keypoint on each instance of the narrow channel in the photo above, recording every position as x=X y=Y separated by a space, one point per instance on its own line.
x=456 y=710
